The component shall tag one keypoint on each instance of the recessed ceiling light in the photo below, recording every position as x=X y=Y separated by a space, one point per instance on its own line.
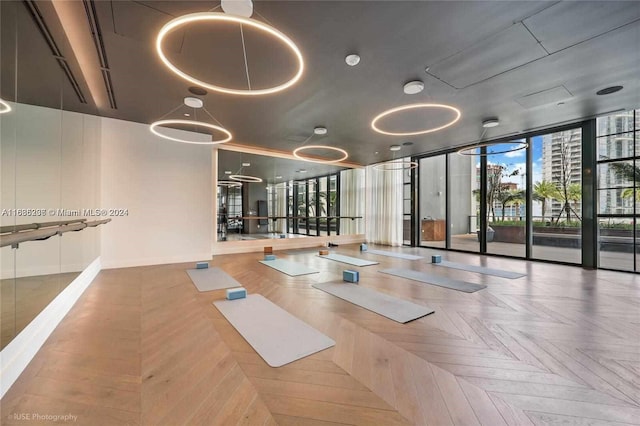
x=407 y=143
x=238 y=7
x=278 y=177
x=609 y=90
x=320 y=130
x=192 y=102
x=376 y=153
x=302 y=171
x=490 y=122
x=395 y=148
x=352 y=60
x=246 y=164
x=198 y=91
x=227 y=172
x=413 y=87
x=186 y=114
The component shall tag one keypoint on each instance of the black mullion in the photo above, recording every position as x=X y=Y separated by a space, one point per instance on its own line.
x=415 y=205
x=483 y=200
x=529 y=203
x=306 y=207
x=447 y=201
x=635 y=180
x=616 y=160
x=286 y=213
x=317 y=206
x=338 y=219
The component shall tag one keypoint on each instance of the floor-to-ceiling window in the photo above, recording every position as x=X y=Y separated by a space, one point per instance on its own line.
x=333 y=208
x=464 y=211
x=557 y=201
x=314 y=206
x=407 y=206
x=618 y=157
x=433 y=201
x=506 y=198
x=528 y=188
x=229 y=197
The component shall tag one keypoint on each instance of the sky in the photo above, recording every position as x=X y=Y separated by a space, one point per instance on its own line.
x=517 y=160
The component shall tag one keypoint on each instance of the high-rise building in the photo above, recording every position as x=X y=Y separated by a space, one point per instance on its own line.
x=616 y=141
x=561 y=162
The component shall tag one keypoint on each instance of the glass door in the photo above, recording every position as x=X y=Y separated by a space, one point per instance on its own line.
x=433 y=201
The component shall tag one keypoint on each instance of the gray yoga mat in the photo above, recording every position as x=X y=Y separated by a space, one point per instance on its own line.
x=481 y=269
x=438 y=280
x=383 y=304
x=394 y=254
x=305 y=250
x=348 y=259
x=290 y=268
x=209 y=279
x=277 y=336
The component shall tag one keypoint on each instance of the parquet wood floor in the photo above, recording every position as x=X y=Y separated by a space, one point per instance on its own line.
x=142 y=346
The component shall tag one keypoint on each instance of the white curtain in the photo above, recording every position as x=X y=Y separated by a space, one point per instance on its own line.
x=383 y=220
x=280 y=193
x=352 y=201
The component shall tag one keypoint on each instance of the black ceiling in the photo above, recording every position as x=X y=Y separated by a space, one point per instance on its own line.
x=269 y=168
x=513 y=60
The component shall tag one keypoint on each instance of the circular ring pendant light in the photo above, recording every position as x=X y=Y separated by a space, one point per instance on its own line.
x=214 y=17
x=374 y=123
x=229 y=183
x=296 y=153
x=471 y=150
x=4 y=107
x=153 y=127
x=245 y=178
x=394 y=165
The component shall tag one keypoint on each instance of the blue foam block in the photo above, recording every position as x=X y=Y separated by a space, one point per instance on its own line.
x=202 y=265
x=363 y=247
x=236 y=293
x=283 y=236
x=269 y=257
x=436 y=258
x=350 y=276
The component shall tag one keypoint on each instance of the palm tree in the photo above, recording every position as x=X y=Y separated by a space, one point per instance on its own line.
x=508 y=197
x=628 y=193
x=543 y=191
x=627 y=172
x=570 y=197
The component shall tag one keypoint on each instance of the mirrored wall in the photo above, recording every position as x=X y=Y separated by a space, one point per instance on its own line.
x=49 y=168
x=292 y=199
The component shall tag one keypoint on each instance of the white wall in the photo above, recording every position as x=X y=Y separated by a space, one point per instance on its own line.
x=166 y=187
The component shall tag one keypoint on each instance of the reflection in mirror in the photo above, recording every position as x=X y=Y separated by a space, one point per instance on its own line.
x=49 y=167
x=295 y=199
